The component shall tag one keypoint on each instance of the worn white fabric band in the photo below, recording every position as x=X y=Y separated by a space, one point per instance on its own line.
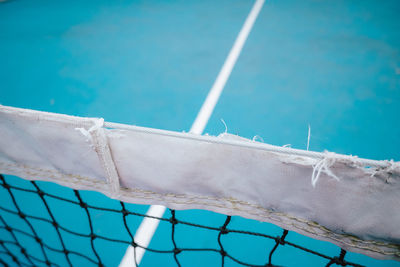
x=350 y=203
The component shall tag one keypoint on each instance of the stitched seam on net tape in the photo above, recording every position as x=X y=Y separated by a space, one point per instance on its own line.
x=102 y=186
x=103 y=151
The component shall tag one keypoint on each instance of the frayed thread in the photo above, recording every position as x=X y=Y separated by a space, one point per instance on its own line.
x=97 y=124
x=324 y=165
x=308 y=137
x=392 y=166
x=226 y=127
x=257 y=138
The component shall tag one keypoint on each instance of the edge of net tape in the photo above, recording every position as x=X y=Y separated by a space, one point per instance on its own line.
x=255 y=145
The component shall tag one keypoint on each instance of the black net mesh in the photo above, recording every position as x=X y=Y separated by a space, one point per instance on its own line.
x=13 y=251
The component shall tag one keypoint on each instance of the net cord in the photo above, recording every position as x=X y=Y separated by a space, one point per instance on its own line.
x=247 y=144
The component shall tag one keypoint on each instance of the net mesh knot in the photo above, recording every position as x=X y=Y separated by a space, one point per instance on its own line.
x=223 y=230
x=124 y=212
x=177 y=251
x=40 y=193
x=173 y=220
x=223 y=253
x=338 y=261
x=280 y=240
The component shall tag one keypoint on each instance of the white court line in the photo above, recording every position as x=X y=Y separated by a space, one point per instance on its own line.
x=212 y=98
x=147 y=228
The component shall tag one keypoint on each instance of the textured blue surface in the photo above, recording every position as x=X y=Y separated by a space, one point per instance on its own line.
x=332 y=64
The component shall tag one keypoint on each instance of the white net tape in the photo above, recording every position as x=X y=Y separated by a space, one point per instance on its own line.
x=351 y=202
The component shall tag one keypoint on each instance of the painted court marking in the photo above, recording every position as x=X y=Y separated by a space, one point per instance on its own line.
x=212 y=98
x=147 y=228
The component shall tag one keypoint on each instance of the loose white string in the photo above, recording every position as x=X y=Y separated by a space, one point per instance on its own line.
x=323 y=166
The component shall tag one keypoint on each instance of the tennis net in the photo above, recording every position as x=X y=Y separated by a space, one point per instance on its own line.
x=345 y=200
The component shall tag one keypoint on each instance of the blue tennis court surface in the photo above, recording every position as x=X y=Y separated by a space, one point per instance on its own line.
x=333 y=65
